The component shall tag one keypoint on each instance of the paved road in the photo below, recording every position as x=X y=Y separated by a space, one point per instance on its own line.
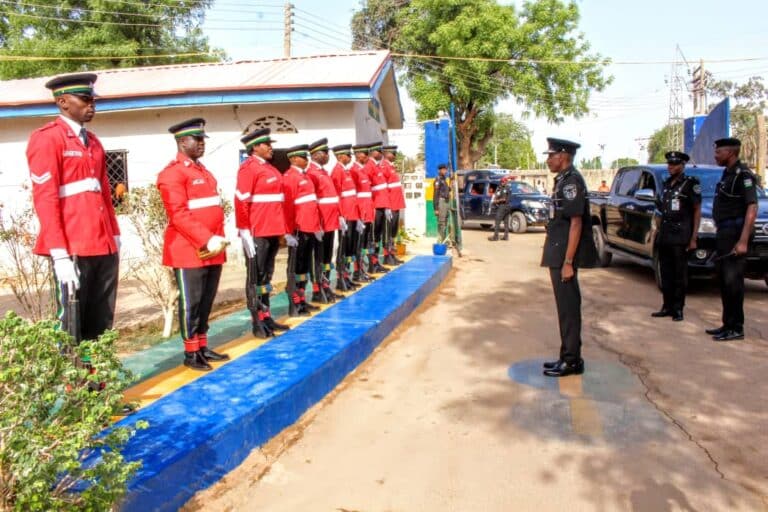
x=452 y=413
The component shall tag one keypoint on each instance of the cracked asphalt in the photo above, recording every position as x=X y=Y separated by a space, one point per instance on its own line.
x=452 y=413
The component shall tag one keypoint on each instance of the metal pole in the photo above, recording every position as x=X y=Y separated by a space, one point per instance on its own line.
x=287 y=29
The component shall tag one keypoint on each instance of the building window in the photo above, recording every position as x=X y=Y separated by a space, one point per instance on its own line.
x=117 y=174
x=276 y=124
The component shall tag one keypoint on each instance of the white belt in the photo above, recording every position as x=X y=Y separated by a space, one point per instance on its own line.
x=78 y=187
x=203 y=202
x=268 y=198
x=328 y=200
x=379 y=187
x=364 y=194
x=348 y=193
x=394 y=185
x=305 y=199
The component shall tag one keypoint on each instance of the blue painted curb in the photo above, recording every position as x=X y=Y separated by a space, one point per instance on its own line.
x=203 y=430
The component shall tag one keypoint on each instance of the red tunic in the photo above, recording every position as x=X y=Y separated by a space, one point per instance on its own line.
x=192 y=202
x=259 y=198
x=378 y=184
x=327 y=199
x=396 y=195
x=301 y=211
x=345 y=188
x=364 y=196
x=71 y=193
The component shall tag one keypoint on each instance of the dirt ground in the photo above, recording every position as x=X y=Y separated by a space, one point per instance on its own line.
x=452 y=413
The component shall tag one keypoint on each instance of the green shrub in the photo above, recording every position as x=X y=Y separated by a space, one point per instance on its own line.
x=51 y=420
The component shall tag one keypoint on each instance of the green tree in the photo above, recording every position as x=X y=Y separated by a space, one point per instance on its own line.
x=533 y=55
x=375 y=24
x=658 y=145
x=510 y=144
x=97 y=34
x=748 y=100
x=623 y=162
x=591 y=163
x=52 y=420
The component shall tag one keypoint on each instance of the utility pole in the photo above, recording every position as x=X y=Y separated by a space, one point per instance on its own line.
x=676 y=87
x=287 y=29
x=761 y=147
x=699 y=90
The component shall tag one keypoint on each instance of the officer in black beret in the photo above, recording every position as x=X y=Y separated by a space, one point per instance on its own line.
x=568 y=247
x=734 y=212
x=680 y=207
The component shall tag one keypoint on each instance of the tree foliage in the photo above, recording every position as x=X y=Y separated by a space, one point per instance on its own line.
x=658 y=145
x=77 y=31
x=437 y=30
x=591 y=163
x=511 y=143
x=623 y=162
x=51 y=420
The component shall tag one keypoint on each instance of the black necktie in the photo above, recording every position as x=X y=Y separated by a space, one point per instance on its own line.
x=84 y=136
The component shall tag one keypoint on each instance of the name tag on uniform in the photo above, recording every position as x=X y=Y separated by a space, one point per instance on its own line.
x=272 y=179
x=675 y=206
x=302 y=182
x=72 y=152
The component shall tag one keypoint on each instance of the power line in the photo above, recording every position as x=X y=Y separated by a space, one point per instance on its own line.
x=105 y=57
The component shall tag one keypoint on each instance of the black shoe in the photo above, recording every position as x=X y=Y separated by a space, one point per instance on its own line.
x=729 y=335
x=551 y=364
x=276 y=326
x=564 y=369
x=506 y=238
x=397 y=260
x=352 y=284
x=302 y=310
x=377 y=269
x=210 y=355
x=717 y=331
x=196 y=361
x=661 y=313
x=493 y=238
x=261 y=330
x=677 y=316
x=310 y=307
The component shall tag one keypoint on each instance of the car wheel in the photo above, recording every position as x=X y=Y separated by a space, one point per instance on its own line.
x=603 y=256
x=657 y=268
x=517 y=223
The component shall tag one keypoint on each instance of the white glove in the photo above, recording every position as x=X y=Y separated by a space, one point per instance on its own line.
x=291 y=241
x=360 y=226
x=249 y=248
x=216 y=243
x=319 y=235
x=117 y=242
x=66 y=273
x=388 y=213
x=343 y=224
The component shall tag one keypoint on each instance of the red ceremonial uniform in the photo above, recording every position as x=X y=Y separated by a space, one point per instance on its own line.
x=364 y=195
x=192 y=202
x=378 y=184
x=71 y=193
x=345 y=188
x=327 y=198
x=396 y=195
x=301 y=211
x=259 y=198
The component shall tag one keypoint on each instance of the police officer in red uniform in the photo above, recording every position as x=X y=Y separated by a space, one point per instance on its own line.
x=396 y=202
x=330 y=217
x=73 y=201
x=364 y=207
x=380 y=191
x=194 y=239
x=302 y=219
x=260 y=220
x=345 y=188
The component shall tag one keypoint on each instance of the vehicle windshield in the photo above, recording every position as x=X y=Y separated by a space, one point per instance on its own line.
x=520 y=187
x=709 y=179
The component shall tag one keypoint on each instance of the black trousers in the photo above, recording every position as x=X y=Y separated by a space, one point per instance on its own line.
x=394 y=225
x=367 y=240
x=304 y=254
x=673 y=260
x=328 y=239
x=351 y=240
x=731 y=277
x=379 y=228
x=266 y=252
x=502 y=214
x=197 y=290
x=97 y=295
x=568 y=301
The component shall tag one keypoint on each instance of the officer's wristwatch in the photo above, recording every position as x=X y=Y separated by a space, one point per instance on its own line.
x=569 y=261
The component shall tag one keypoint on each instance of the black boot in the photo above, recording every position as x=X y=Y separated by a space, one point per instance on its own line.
x=259 y=328
x=294 y=306
x=210 y=355
x=341 y=282
x=276 y=326
x=350 y=283
x=493 y=238
x=319 y=296
x=196 y=361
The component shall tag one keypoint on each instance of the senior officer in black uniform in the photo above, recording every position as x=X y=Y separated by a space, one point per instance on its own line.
x=568 y=247
x=734 y=213
x=680 y=207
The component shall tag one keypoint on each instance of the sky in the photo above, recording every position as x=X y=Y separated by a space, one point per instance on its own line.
x=621 y=117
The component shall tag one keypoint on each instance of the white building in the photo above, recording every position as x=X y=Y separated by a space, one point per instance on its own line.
x=348 y=98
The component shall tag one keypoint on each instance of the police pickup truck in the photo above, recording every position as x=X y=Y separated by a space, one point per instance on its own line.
x=528 y=207
x=625 y=221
